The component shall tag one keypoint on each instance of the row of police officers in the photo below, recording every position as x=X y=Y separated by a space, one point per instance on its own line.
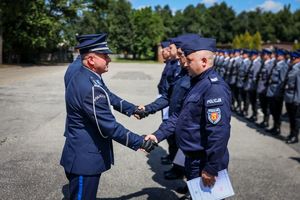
x=267 y=78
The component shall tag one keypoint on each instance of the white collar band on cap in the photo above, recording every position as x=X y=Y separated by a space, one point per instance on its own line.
x=105 y=43
x=100 y=48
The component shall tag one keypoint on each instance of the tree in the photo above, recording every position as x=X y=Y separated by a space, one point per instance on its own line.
x=148 y=32
x=219 y=22
x=165 y=14
x=236 y=43
x=256 y=41
x=120 y=26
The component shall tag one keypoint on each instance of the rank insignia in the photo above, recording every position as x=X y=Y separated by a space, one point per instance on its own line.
x=214 y=115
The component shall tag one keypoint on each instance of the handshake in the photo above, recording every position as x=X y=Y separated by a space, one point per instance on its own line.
x=140 y=112
x=149 y=143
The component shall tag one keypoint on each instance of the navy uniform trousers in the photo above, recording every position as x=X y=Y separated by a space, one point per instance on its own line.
x=83 y=186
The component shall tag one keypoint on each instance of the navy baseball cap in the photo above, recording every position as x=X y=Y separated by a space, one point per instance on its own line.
x=198 y=44
x=165 y=44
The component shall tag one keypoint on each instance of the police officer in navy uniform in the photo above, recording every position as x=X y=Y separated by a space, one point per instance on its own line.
x=202 y=127
x=262 y=85
x=292 y=98
x=275 y=90
x=91 y=126
x=174 y=98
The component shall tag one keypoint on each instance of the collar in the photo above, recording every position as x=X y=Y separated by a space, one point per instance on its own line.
x=201 y=76
x=94 y=73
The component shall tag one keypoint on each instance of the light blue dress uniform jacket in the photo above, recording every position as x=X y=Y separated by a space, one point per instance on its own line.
x=292 y=89
x=250 y=84
x=263 y=76
x=241 y=76
x=277 y=79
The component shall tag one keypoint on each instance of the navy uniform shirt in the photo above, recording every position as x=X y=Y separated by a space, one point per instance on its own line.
x=250 y=84
x=203 y=124
x=277 y=79
x=91 y=126
x=292 y=89
x=263 y=76
x=241 y=75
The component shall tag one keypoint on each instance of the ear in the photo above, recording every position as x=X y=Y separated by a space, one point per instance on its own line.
x=90 y=61
x=204 y=61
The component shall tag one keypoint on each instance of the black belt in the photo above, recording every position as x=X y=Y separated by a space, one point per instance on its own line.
x=195 y=154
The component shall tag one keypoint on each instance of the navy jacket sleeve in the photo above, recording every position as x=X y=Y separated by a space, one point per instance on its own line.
x=121 y=105
x=217 y=126
x=167 y=128
x=297 y=89
x=96 y=105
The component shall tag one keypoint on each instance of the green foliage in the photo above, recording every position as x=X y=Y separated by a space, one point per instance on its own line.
x=247 y=41
x=256 y=41
x=148 y=32
x=32 y=27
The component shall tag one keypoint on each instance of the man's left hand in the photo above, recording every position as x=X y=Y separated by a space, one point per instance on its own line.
x=208 y=179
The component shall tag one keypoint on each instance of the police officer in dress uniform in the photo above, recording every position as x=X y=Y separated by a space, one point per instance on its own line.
x=202 y=127
x=233 y=78
x=262 y=85
x=251 y=83
x=275 y=90
x=91 y=126
x=241 y=78
x=292 y=98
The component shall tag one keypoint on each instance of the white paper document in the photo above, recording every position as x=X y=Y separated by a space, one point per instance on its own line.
x=179 y=158
x=222 y=188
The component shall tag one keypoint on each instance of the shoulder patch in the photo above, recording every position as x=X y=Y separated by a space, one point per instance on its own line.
x=213 y=102
x=95 y=82
x=214 y=115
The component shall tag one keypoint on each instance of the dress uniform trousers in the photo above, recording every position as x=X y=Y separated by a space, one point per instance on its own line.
x=264 y=104
x=252 y=98
x=293 y=111
x=276 y=104
x=83 y=187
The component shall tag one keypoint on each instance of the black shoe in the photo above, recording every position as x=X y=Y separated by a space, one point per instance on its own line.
x=187 y=196
x=169 y=171
x=293 y=140
x=252 y=118
x=165 y=157
x=262 y=124
x=182 y=190
x=276 y=132
x=173 y=175
x=166 y=162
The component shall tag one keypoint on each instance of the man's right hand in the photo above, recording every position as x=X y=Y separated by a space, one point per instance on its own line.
x=140 y=112
x=148 y=145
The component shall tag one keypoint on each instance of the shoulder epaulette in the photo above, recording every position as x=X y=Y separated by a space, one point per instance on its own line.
x=213 y=79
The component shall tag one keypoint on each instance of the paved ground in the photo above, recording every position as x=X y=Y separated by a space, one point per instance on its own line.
x=31 y=139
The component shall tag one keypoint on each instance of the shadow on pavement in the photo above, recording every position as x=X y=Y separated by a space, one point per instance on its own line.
x=151 y=193
x=295 y=158
x=154 y=193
